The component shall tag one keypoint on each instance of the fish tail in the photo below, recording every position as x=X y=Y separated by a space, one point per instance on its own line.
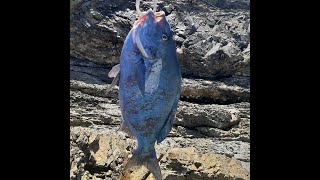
x=147 y=159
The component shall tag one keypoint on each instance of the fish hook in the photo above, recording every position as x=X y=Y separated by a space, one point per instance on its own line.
x=154 y=5
x=138 y=5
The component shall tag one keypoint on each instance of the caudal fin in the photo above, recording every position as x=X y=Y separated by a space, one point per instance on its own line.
x=148 y=160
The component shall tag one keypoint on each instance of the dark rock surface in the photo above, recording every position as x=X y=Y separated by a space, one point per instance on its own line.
x=212 y=42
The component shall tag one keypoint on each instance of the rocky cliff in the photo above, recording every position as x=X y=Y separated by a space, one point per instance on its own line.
x=211 y=134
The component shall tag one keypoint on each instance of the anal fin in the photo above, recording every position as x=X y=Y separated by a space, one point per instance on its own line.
x=125 y=128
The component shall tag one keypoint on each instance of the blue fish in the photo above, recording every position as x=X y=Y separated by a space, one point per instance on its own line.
x=149 y=86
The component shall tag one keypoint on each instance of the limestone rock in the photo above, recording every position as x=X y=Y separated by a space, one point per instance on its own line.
x=106 y=151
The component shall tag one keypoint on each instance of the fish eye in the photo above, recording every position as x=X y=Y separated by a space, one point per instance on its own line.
x=164 y=37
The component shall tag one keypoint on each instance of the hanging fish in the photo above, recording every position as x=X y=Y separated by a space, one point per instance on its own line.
x=149 y=85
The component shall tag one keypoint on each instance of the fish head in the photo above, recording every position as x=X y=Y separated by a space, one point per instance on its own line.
x=152 y=35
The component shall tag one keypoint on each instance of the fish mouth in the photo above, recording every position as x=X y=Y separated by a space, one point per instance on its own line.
x=157 y=17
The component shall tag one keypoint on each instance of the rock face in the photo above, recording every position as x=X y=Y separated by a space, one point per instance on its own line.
x=104 y=151
x=209 y=39
x=210 y=138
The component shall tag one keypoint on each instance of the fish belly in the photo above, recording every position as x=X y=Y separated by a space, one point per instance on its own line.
x=148 y=113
